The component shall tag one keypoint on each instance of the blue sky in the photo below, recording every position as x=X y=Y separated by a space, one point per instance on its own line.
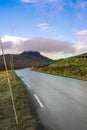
x=60 y=25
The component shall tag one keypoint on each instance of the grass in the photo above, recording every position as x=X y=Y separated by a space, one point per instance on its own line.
x=71 y=67
x=7 y=119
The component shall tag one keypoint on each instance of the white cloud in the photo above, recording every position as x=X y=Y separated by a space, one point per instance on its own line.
x=10 y=43
x=60 y=37
x=60 y=4
x=82 y=33
x=46 y=27
x=13 y=39
x=81 y=47
x=28 y=1
x=43 y=26
x=46 y=1
x=51 y=0
x=49 y=47
x=57 y=4
x=82 y=44
x=56 y=55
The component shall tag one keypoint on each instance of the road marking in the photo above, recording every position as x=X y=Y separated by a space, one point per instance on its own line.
x=22 y=79
x=25 y=82
x=28 y=85
x=38 y=100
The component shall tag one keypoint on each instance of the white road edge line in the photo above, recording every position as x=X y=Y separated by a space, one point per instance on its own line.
x=28 y=85
x=41 y=105
x=22 y=80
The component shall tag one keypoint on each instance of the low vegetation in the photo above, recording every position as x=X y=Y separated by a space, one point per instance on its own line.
x=75 y=67
x=7 y=119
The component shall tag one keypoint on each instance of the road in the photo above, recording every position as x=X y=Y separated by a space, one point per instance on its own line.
x=61 y=102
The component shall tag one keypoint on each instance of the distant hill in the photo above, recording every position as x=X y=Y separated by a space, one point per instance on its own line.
x=84 y=55
x=25 y=59
x=75 y=67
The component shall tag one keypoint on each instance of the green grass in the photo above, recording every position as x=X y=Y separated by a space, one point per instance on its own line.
x=70 y=67
x=7 y=119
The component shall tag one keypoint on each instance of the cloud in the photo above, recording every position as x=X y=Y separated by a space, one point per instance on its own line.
x=59 y=5
x=28 y=1
x=49 y=1
x=46 y=1
x=33 y=1
x=13 y=39
x=7 y=44
x=49 y=47
x=82 y=45
x=46 y=27
x=43 y=26
x=80 y=6
x=60 y=37
x=82 y=33
x=10 y=43
x=42 y=4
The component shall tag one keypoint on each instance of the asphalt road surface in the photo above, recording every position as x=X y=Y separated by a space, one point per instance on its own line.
x=61 y=102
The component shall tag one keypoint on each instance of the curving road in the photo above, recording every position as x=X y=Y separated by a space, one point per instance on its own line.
x=61 y=102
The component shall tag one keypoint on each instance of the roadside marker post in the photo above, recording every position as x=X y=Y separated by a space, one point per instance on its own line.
x=9 y=83
x=11 y=63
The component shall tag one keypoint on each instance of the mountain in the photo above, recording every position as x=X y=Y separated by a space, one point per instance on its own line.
x=23 y=60
x=75 y=67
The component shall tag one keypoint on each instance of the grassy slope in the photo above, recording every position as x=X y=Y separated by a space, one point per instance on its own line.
x=7 y=120
x=71 y=67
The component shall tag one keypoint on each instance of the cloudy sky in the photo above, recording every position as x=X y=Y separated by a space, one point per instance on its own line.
x=56 y=28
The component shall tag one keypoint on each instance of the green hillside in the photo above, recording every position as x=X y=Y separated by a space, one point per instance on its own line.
x=75 y=67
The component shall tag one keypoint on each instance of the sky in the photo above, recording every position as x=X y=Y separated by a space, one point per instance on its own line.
x=55 y=28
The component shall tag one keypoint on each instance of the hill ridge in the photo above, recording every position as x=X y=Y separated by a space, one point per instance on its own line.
x=25 y=59
x=75 y=67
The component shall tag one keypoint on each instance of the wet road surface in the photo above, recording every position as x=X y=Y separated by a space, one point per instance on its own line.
x=61 y=102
